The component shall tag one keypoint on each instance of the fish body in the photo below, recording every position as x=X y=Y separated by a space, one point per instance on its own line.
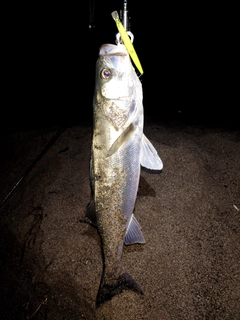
x=119 y=148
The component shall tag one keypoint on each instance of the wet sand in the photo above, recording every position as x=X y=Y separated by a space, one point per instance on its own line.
x=51 y=262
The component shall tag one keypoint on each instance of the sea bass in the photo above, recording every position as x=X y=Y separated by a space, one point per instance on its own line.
x=119 y=149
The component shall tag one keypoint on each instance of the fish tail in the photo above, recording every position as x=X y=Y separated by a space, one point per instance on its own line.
x=109 y=289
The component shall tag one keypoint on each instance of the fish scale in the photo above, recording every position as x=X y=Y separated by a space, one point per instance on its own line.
x=119 y=149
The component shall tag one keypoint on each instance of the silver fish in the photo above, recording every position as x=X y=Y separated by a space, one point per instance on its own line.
x=119 y=149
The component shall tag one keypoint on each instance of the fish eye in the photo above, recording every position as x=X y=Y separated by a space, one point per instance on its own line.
x=105 y=74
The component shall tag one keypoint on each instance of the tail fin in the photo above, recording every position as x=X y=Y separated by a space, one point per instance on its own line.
x=108 y=290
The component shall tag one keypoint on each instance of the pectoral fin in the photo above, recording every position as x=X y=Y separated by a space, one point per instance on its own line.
x=123 y=138
x=133 y=232
x=149 y=157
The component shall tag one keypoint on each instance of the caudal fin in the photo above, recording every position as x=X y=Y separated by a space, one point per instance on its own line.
x=108 y=290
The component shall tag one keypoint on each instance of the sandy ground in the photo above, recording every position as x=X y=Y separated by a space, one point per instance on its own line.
x=51 y=262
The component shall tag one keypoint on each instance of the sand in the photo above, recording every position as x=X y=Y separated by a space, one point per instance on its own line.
x=51 y=262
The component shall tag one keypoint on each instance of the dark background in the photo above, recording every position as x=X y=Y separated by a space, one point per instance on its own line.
x=186 y=51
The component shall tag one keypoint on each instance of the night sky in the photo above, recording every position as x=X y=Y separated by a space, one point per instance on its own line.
x=51 y=54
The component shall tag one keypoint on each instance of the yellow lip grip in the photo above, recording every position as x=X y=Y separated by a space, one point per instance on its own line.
x=127 y=42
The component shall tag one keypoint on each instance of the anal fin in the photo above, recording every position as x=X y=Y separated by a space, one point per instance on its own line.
x=133 y=233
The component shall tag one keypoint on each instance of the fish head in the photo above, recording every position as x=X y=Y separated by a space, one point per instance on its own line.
x=115 y=70
x=118 y=89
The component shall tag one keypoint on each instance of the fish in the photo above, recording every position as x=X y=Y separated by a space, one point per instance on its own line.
x=119 y=149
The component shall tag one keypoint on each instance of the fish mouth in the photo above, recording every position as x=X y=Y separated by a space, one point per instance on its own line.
x=113 y=50
x=119 y=54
